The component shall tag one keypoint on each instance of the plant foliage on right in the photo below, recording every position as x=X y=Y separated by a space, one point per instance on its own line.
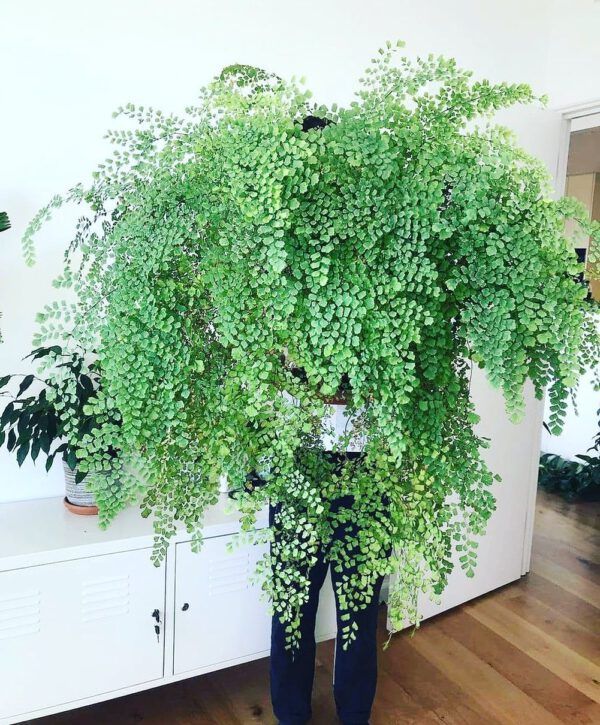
x=234 y=269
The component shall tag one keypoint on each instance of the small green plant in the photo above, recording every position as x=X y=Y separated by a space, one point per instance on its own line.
x=235 y=269
x=573 y=480
x=53 y=420
x=577 y=480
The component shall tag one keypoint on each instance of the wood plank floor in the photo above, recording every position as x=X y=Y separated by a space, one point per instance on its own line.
x=528 y=653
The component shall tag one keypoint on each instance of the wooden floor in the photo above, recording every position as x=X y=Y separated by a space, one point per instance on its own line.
x=527 y=653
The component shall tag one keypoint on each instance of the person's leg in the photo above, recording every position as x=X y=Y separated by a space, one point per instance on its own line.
x=355 y=675
x=355 y=672
x=292 y=674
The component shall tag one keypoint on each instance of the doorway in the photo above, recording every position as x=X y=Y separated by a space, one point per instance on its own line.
x=579 y=177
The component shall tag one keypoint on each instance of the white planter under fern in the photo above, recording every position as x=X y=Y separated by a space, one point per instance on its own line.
x=78 y=498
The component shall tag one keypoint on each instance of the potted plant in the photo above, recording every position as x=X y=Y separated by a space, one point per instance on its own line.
x=56 y=419
x=228 y=249
x=574 y=480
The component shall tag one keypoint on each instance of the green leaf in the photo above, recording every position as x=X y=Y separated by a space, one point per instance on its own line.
x=35 y=448
x=25 y=383
x=49 y=462
x=22 y=452
x=6 y=414
x=71 y=459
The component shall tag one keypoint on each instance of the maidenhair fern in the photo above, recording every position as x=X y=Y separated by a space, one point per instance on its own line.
x=234 y=269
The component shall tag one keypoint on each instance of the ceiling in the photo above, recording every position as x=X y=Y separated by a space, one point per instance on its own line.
x=584 y=152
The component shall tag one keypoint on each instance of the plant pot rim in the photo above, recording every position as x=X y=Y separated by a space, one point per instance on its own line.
x=80 y=510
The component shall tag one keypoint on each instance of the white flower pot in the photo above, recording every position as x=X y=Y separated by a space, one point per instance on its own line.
x=78 y=499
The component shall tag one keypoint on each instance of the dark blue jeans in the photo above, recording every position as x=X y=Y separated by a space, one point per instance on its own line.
x=355 y=671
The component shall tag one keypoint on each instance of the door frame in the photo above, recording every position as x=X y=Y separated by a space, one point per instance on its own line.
x=577 y=117
x=574 y=118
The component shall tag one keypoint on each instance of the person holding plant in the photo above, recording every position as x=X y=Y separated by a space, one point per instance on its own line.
x=395 y=248
x=355 y=668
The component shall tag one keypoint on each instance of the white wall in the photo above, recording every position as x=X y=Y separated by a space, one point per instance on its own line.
x=67 y=64
x=581 y=425
x=573 y=52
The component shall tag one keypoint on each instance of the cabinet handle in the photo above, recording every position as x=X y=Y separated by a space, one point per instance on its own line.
x=185 y=607
x=156 y=616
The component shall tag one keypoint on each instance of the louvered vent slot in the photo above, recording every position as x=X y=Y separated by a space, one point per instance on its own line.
x=104 y=598
x=20 y=614
x=228 y=573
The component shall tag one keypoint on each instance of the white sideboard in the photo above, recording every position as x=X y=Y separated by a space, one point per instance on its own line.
x=85 y=616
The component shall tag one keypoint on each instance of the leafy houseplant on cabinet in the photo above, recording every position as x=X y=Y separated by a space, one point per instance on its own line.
x=57 y=419
x=228 y=249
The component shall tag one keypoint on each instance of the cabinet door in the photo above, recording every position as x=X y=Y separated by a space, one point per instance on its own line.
x=220 y=617
x=78 y=628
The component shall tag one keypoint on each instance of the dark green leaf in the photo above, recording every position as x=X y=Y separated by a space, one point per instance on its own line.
x=35 y=448
x=22 y=452
x=45 y=441
x=52 y=425
x=23 y=422
x=25 y=383
x=44 y=352
x=71 y=459
x=6 y=413
x=86 y=383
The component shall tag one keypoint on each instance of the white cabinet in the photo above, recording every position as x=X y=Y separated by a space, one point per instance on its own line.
x=77 y=606
x=220 y=617
x=74 y=629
